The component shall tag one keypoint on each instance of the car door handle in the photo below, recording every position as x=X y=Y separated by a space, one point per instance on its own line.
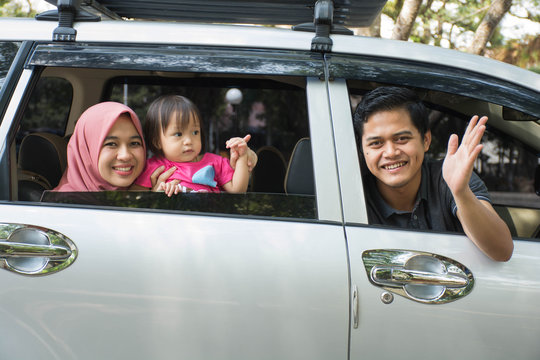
x=11 y=249
x=399 y=276
x=32 y=250
x=419 y=276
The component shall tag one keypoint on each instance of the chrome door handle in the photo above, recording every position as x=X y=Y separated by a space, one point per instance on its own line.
x=32 y=250
x=12 y=249
x=423 y=277
x=399 y=276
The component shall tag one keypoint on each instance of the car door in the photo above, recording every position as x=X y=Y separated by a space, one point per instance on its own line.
x=87 y=281
x=423 y=294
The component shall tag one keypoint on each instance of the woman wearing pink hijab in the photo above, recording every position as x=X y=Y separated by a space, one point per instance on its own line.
x=106 y=151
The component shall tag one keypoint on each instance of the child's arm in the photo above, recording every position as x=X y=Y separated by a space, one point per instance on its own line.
x=240 y=180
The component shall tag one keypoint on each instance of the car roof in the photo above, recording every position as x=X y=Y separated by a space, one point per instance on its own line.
x=152 y=32
x=353 y=13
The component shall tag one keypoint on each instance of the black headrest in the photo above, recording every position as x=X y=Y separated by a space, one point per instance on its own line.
x=269 y=174
x=44 y=154
x=299 y=178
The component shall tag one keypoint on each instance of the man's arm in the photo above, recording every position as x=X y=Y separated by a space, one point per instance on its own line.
x=478 y=218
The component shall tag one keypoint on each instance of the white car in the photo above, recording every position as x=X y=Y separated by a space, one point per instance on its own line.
x=292 y=269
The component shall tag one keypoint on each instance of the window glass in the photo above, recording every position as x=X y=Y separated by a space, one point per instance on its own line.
x=8 y=50
x=48 y=108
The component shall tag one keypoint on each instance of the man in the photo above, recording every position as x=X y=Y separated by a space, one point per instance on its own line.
x=391 y=125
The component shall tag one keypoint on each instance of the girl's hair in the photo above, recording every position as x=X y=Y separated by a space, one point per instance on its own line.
x=159 y=116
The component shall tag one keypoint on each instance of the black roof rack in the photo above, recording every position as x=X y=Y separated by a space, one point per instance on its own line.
x=350 y=13
x=321 y=16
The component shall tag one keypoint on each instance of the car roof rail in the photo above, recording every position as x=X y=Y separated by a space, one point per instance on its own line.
x=322 y=26
x=66 y=13
x=350 y=13
x=323 y=17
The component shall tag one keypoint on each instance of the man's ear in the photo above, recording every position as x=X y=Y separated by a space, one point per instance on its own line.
x=427 y=140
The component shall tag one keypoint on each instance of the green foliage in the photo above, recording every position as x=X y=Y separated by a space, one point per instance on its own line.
x=450 y=23
x=11 y=8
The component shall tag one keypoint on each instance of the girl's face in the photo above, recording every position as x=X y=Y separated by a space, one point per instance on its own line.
x=181 y=145
x=122 y=156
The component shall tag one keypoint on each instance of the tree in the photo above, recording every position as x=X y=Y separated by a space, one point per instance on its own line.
x=17 y=8
x=466 y=25
x=406 y=19
x=485 y=30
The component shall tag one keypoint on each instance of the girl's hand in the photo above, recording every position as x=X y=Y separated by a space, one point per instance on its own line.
x=239 y=145
x=171 y=188
x=158 y=177
x=239 y=148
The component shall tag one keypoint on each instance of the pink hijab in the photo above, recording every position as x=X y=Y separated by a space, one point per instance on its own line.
x=85 y=144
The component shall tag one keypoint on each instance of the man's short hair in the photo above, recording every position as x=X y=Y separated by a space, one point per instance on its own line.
x=387 y=98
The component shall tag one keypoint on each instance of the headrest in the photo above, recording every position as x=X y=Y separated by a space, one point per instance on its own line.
x=269 y=174
x=44 y=154
x=299 y=178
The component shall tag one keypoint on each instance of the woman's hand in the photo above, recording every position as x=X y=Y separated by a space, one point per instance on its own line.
x=159 y=176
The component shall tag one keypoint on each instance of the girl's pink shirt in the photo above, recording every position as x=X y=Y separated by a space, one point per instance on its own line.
x=208 y=174
x=85 y=145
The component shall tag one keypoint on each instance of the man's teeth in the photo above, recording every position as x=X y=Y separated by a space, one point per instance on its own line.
x=394 y=166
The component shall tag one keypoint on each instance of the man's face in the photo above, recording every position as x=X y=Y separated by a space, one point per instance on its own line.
x=394 y=149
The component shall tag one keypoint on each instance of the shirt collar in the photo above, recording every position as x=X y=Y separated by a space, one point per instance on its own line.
x=385 y=209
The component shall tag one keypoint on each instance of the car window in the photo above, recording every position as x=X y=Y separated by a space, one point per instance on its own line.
x=506 y=165
x=273 y=110
x=8 y=50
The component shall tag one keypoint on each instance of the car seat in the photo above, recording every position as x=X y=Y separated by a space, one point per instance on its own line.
x=42 y=161
x=299 y=178
x=269 y=174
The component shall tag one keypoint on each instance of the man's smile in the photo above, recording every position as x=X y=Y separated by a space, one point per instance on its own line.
x=394 y=165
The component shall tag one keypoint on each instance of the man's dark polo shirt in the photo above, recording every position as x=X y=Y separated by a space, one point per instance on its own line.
x=435 y=208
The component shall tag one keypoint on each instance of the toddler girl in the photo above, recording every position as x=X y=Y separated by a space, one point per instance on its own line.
x=173 y=133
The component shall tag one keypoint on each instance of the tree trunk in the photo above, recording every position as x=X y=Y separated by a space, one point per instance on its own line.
x=493 y=17
x=405 y=21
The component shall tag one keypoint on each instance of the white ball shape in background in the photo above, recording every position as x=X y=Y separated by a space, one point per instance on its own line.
x=234 y=96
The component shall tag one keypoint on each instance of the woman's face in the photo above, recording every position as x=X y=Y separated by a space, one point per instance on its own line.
x=122 y=156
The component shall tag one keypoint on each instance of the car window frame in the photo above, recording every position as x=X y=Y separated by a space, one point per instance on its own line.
x=312 y=72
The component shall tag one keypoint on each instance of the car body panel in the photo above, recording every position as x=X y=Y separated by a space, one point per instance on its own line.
x=500 y=310
x=194 y=286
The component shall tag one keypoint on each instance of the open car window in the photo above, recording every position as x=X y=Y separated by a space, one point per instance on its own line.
x=272 y=109
x=507 y=165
